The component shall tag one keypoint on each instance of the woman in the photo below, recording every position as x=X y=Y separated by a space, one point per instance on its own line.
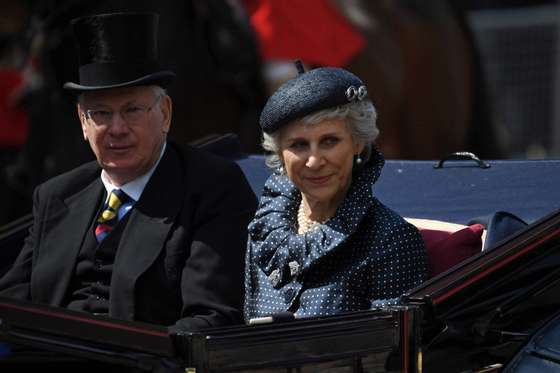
x=320 y=242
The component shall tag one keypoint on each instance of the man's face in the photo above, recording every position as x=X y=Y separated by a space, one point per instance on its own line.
x=126 y=129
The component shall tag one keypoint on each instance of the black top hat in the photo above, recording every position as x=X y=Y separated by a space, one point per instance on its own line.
x=118 y=50
x=310 y=91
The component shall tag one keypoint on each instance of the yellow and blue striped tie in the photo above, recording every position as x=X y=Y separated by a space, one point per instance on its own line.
x=109 y=216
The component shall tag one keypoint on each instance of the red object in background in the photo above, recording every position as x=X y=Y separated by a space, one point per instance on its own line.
x=311 y=30
x=13 y=119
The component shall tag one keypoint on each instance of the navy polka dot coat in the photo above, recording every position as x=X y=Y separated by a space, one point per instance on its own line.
x=366 y=255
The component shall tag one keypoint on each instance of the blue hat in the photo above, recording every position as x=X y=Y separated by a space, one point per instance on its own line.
x=314 y=90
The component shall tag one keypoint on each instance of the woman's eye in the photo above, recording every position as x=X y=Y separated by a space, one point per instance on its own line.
x=298 y=145
x=330 y=141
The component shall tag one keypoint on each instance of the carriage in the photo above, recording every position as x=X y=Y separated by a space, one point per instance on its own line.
x=492 y=230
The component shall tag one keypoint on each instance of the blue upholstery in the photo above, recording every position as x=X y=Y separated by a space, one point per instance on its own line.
x=458 y=192
x=499 y=226
x=5 y=350
x=541 y=354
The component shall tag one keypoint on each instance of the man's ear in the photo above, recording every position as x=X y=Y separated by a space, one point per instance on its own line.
x=166 y=110
x=83 y=120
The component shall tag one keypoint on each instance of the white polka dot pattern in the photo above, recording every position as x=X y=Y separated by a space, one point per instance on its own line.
x=365 y=256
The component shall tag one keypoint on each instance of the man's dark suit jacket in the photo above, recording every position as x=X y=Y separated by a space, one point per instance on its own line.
x=180 y=259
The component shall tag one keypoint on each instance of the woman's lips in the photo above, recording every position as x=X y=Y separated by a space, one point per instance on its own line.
x=318 y=180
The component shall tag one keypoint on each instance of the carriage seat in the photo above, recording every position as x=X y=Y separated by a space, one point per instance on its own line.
x=448 y=244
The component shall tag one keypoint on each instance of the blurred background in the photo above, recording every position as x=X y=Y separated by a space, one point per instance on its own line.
x=445 y=75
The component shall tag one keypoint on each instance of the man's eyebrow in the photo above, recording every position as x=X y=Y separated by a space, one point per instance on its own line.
x=96 y=105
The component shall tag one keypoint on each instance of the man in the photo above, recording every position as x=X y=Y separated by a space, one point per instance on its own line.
x=150 y=232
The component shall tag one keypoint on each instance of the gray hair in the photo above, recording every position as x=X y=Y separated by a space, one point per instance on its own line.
x=158 y=91
x=361 y=117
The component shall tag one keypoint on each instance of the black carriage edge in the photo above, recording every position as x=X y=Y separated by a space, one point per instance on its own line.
x=476 y=314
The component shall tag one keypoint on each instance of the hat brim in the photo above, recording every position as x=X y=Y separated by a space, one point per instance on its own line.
x=161 y=78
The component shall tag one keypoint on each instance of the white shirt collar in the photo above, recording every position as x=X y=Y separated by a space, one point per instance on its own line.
x=133 y=188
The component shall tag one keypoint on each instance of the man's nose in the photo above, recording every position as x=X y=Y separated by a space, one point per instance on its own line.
x=118 y=124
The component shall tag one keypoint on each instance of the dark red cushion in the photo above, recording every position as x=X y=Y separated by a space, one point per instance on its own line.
x=446 y=249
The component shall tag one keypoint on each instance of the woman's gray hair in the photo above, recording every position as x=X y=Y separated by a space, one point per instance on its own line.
x=361 y=117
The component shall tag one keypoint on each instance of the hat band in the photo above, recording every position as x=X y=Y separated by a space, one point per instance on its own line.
x=111 y=73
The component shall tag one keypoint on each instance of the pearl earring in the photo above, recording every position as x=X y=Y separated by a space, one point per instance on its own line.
x=358 y=160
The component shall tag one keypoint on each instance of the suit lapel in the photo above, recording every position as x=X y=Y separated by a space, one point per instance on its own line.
x=68 y=222
x=146 y=231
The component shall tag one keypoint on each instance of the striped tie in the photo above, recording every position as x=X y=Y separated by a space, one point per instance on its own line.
x=110 y=215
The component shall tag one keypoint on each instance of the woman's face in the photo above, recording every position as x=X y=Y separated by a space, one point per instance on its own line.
x=318 y=158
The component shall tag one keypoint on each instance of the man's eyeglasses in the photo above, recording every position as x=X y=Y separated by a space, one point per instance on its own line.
x=130 y=114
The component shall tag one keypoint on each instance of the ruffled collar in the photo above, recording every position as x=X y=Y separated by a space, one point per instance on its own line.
x=276 y=217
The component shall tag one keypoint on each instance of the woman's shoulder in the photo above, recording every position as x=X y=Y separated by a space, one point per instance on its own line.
x=388 y=221
x=279 y=184
x=277 y=207
x=279 y=195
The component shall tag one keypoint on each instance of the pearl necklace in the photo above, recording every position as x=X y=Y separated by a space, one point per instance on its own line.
x=304 y=223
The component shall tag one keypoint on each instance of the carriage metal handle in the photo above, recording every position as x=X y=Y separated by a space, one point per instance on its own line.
x=462 y=156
